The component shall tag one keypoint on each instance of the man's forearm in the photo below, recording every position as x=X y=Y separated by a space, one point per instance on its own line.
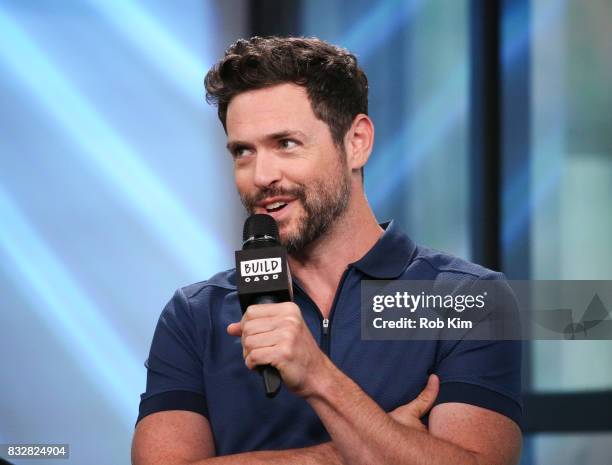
x=322 y=454
x=363 y=434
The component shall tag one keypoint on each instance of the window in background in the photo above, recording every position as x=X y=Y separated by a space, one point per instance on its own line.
x=415 y=54
x=568 y=177
x=571 y=174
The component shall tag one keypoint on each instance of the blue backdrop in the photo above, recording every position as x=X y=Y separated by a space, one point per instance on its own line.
x=115 y=189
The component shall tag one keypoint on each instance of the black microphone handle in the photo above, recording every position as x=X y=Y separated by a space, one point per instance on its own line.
x=271 y=377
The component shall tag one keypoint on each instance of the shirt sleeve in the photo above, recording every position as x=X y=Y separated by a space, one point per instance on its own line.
x=485 y=373
x=174 y=366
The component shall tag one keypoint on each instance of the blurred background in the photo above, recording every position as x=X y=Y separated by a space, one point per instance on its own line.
x=494 y=142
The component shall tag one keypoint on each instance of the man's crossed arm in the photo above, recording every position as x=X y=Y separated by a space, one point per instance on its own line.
x=362 y=433
x=183 y=437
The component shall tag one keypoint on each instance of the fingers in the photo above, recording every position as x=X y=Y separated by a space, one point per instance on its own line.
x=262 y=356
x=261 y=332
x=411 y=413
x=276 y=334
x=250 y=327
x=261 y=325
x=265 y=317
x=427 y=397
x=257 y=341
x=254 y=312
x=234 y=329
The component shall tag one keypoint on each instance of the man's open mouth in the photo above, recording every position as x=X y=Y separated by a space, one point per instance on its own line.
x=276 y=206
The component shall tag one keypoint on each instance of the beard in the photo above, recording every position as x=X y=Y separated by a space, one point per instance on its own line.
x=323 y=202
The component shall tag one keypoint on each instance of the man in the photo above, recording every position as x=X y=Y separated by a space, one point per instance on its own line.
x=295 y=114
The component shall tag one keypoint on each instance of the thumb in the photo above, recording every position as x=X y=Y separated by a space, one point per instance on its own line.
x=425 y=400
x=234 y=329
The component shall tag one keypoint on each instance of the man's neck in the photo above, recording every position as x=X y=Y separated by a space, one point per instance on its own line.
x=320 y=266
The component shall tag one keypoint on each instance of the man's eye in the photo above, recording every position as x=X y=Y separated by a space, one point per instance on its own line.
x=240 y=152
x=287 y=144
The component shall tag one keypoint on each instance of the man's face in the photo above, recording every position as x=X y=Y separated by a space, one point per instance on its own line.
x=286 y=164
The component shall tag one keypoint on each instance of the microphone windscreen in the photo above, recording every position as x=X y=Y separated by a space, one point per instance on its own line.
x=260 y=225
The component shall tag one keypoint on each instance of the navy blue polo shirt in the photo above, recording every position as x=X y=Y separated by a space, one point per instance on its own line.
x=195 y=365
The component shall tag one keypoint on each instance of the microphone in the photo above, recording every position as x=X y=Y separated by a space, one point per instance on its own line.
x=263 y=277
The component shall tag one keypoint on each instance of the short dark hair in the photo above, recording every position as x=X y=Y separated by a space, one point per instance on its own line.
x=336 y=86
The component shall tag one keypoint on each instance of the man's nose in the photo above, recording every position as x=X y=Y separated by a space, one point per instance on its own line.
x=267 y=170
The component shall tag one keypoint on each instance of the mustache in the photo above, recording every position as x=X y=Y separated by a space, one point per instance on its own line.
x=251 y=201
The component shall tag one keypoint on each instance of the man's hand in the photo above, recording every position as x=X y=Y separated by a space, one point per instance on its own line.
x=276 y=334
x=410 y=414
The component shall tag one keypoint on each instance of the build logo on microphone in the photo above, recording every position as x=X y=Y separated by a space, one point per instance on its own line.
x=260 y=269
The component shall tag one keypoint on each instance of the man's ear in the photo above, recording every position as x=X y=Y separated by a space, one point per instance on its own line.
x=358 y=141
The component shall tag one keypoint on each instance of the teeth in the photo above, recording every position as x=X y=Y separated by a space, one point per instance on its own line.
x=274 y=205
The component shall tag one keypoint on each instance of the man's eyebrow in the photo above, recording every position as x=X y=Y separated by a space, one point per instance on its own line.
x=285 y=133
x=234 y=144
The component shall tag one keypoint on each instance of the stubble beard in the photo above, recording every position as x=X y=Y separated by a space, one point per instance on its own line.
x=323 y=203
